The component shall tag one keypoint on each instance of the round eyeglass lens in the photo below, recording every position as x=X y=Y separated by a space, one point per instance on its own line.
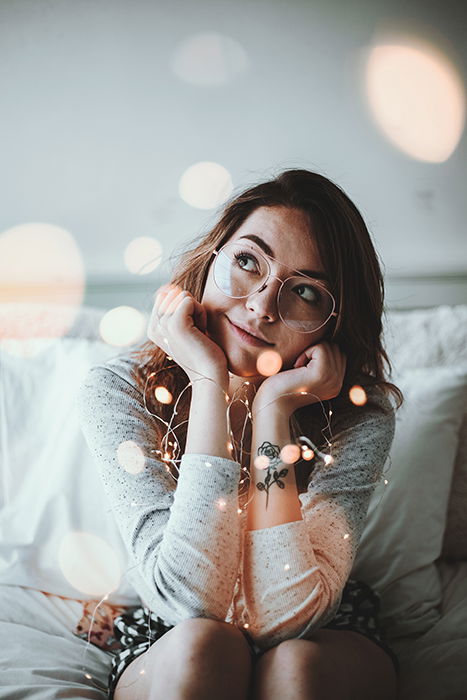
x=239 y=271
x=304 y=305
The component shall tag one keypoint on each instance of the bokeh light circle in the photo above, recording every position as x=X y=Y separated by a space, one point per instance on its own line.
x=205 y=185
x=290 y=454
x=142 y=255
x=41 y=281
x=357 y=395
x=123 y=325
x=209 y=58
x=417 y=98
x=268 y=363
x=131 y=457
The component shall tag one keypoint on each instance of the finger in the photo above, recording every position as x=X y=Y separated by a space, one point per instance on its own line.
x=162 y=292
x=176 y=302
x=166 y=302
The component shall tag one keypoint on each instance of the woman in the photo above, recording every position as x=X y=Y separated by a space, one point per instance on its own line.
x=243 y=549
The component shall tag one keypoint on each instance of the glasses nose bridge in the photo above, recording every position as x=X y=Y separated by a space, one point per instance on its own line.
x=270 y=275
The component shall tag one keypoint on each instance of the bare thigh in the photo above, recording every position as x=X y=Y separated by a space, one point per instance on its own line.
x=190 y=660
x=331 y=665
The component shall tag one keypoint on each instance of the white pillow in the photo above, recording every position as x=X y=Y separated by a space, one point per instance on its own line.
x=405 y=523
x=57 y=532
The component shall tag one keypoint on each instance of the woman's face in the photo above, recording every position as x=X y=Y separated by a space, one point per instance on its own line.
x=286 y=232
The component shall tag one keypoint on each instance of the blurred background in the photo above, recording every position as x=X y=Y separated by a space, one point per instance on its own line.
x=126 y=125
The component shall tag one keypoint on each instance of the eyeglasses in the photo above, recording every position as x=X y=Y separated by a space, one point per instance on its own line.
x=303 y=303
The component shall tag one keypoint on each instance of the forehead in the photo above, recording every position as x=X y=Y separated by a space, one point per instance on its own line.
x=287 y=233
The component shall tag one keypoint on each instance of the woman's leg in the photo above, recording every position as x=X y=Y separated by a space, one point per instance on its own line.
x=333 y=665
x=198 y=659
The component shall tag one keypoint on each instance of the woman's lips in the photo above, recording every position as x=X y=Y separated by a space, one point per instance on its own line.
x=247 y=337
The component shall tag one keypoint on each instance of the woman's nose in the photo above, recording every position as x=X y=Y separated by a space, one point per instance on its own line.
x=264 y=301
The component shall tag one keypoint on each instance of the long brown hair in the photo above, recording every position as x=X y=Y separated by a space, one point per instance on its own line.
x=351 y=263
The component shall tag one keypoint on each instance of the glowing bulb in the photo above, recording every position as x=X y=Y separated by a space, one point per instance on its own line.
x=386 y=481
x=239 y=510
x=166 y=455
x=328 y=459
x=286 y=567
x=230 y=446
x=357 y=395
x=308 y=454
x=163 y=395
x=246 y=625
x=221 y=504
x=346 y=536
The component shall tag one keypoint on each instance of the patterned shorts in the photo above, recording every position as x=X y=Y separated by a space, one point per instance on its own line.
x=138 y=628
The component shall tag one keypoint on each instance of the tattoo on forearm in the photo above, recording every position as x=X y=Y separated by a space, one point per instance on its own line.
x=272 y=475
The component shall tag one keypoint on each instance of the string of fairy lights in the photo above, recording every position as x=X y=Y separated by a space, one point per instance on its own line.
x=169 y=455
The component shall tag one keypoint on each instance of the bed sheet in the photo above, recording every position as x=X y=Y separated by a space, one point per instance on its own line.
x=41 y=658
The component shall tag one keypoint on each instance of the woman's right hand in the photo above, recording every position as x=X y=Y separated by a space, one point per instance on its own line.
x=178 y=326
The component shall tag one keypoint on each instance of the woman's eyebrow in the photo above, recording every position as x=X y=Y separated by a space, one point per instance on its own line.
x=265 y=247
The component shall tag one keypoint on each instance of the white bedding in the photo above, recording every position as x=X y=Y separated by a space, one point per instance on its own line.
x=41 y=657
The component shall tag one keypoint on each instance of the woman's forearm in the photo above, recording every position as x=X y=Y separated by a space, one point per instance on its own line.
x=207 y=426
x=271 y=503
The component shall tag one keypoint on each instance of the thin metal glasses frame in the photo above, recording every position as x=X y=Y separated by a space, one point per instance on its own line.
x=265 y=257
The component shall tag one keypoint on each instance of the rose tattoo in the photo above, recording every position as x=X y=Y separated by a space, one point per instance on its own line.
x=272 y=476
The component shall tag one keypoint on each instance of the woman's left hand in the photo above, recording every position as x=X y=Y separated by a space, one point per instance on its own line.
x=318 y=374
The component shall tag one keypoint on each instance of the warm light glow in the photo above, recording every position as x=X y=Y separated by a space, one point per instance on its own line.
x=417 y=98
x=163 y=395
x=209 y=58
x=286 y=567
x=290 y=454
x=346 y=536
x=142 y=255
x=261 y=462
x=205 y=185
x=41 y=281
x=122 y=325
x=131 y=457
x=89 y=563
x=268 y=363
x=221 y=504
x=308 y=454
x=357 y=395
x=328 y=459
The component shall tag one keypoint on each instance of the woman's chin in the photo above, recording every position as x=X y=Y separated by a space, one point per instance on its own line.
x=242 y=372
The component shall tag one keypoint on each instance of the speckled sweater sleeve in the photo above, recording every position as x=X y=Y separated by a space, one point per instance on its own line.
x=185 y=548
x=294 y=573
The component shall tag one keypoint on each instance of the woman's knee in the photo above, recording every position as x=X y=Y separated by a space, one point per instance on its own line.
x=200 y=636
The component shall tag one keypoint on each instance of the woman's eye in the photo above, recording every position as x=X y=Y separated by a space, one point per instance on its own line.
x=243 y=259
x=310 y=294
